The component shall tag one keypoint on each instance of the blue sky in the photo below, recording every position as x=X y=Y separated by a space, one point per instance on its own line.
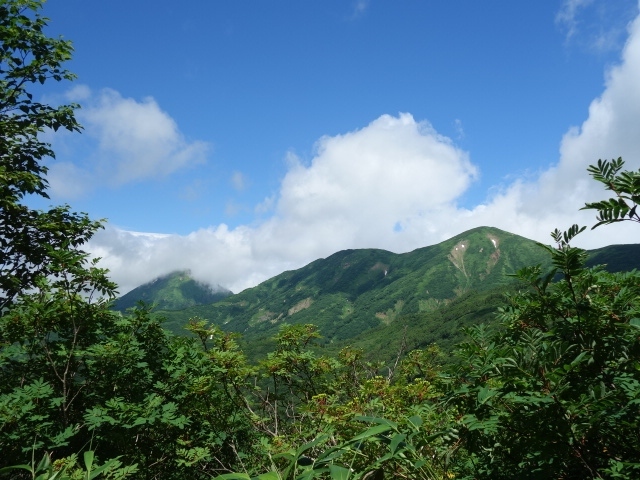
x=240 y=139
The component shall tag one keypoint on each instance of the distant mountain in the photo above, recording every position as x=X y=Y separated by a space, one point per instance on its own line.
x=378 y=300
x=616 y=258
x=175 y=291
x=355 y=290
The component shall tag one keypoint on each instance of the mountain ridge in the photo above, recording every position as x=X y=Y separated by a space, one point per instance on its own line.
x=379 y=284
x=367 y=296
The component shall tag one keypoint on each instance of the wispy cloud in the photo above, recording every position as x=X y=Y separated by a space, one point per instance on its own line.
x=360 y=7
x=457 y=125
x=567 y=16
x=134 y=140
x=238 y=181
x=599 y=26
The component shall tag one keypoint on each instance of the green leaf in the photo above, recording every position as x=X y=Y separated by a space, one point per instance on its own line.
x=44 y=463
x=396 y=440
x=269 y=476
x=415 y=420
x=233 y=476
x=15 y=467
x=309 y=445
x=88 y=460
x=339 y=473
x=372 y=432
x=381 y=421
x=485 y=394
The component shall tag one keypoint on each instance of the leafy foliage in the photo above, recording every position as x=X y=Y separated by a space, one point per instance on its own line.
x=312 y=410
x=626 y=187
x=556 y=392
x=76 y=377
x=29 y=239
x=68 y=470
x=397 y=449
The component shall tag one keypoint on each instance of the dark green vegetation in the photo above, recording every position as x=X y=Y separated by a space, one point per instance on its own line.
x=615 y=258
x=552 y=391
x=175 y=291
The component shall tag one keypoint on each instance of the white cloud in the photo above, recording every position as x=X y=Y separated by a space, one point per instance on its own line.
x=140 y=139
x=215 y=255
x=363 y=183
x=78 y=93
x=395 y=184
x=354 y=192
x=457 y=125
x=136 y=140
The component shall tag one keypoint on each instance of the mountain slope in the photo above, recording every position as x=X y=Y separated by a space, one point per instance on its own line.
x=616 y=258
x=356 y=290
x=175 y=291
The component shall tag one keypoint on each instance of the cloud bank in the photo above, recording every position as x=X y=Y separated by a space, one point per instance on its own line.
x=394 y=184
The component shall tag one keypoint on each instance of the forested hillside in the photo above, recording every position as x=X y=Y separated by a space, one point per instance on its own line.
x=551 y=391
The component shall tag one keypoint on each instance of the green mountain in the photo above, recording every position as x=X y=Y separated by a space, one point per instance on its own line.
x=175 y=291
x=380 y=300
x=355 y=290
x=444 y=326
x=616 y=258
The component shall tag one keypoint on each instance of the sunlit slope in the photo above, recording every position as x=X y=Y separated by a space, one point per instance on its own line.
x=445 y=326
x=355 y=290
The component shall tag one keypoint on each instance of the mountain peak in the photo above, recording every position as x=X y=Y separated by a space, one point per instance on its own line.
x=174 y=291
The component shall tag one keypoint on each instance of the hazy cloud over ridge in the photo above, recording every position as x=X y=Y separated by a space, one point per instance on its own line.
x=360 y=189
x=395 y=184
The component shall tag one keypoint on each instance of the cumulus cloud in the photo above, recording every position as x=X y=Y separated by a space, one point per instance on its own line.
x=135 y=140
x=356 y=191
x=365 y=183
x=395 y=184
x=215 y=255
